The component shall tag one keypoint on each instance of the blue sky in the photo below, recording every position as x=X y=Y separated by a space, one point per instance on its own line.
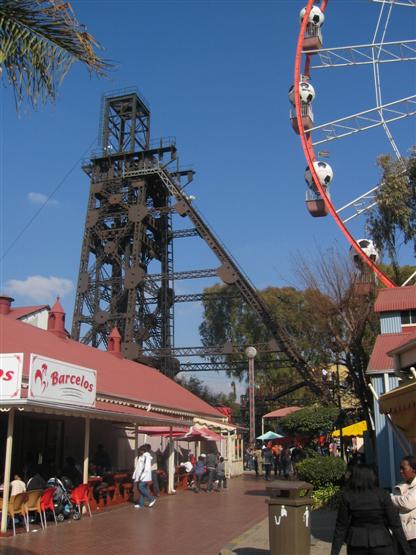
x=216 y=75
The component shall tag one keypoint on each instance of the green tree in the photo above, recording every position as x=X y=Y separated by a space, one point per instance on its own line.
x=328 y=321
x=39 y=41
x=310 y=421
x=393 y=220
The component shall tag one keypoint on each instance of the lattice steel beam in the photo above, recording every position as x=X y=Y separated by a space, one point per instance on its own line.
x=362 y=121
x=362 y=54
x=234 y=366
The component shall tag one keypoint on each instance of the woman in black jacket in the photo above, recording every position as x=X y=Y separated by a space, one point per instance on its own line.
x=365 y=516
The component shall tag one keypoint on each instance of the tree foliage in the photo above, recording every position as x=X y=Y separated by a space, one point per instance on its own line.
x=393 y=220
x=321 y=471
x=328 y=321
x=310 y=421
x=39 y=41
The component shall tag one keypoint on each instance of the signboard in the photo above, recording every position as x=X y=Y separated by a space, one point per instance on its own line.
x=55 y=381
x=11 y=366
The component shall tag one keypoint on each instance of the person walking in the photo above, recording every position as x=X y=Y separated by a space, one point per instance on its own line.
x=211 y=464
x=199 y=470
x=404 y=498
x=142 y=475
x=268 y=461
x=221 y=474
x=365 y=516
x=155 y=479
x=286 y=462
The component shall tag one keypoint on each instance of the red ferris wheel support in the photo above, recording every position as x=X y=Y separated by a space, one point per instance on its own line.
x=308 y=150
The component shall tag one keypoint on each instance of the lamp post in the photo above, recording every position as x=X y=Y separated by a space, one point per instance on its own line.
x=251 y=353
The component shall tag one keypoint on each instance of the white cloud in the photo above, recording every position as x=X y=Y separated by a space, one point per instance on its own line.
x=40 y=198
x=39 y=288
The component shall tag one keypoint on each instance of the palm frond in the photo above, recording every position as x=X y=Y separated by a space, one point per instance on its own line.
x=39 y=41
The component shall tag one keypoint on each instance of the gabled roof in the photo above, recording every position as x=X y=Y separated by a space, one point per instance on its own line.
x=279 y=413
x=22 y=311
x=396 y=299
x=386 y=342
x=116 y=377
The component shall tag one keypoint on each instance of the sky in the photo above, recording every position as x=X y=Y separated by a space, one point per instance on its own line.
x=216 y=75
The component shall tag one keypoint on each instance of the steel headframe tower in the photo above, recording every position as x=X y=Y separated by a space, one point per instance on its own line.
x=128 y=229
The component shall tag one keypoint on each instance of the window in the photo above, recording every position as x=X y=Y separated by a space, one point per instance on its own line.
x=408 y=317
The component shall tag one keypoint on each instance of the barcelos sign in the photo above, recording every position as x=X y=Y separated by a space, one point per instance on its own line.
x=61 y=382
x=11 y=365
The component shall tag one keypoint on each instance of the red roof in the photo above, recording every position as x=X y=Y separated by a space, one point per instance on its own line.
x=22 y=311
x=396 y=299
x=117 y=377
x=279 y=413
x=380 y=360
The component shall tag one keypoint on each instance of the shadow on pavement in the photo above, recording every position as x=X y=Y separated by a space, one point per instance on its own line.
x=257 y=492
x=250 y=551
x=9 y=550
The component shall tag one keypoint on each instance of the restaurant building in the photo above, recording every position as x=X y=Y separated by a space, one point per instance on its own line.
x=61 y=398
x=397 y=309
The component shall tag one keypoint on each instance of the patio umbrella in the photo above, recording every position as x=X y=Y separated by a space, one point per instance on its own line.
x=269 y=435
x=196 y=434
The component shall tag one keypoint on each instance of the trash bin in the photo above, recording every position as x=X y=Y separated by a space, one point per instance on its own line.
x=289 y=517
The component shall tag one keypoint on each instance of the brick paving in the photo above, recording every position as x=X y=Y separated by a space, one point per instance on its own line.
x=181 y=524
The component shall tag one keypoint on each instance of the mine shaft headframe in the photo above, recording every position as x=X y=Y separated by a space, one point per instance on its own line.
x=124 y=122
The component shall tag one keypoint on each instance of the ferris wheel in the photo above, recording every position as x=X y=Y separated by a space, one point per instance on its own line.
x=343 y=124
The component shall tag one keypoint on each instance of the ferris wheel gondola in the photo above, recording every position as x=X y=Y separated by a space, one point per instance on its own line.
x=310 y=50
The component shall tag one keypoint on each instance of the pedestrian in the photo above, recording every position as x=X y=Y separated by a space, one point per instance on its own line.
x=366 y=515
x=298 y=455
x=277 y=449
x=268 y=461
x=221 y=474
x=285 y=461
x=211 y=464
x=155 y=479
x=404 y=498
x=142 y=475
x=199 y=470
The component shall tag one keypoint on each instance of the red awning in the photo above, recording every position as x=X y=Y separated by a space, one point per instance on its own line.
x=163 y=431
x=196 y=434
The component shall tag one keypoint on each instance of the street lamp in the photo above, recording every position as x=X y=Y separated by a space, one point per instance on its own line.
x=251 y=353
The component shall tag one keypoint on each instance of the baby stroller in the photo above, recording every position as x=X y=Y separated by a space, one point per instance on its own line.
x=62 y=499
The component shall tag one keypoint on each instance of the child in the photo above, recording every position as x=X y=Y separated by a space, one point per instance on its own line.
x=221 y=474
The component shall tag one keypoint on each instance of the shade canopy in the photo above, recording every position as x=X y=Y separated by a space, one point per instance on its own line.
x=197 y=433
x=353 y=430
x=269 y=435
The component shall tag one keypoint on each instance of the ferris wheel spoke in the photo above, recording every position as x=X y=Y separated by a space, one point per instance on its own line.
x=362 y=54
x=359 y=205
x=406 y=3
x=363 y=121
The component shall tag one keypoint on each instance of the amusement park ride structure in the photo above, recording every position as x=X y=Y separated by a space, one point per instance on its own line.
x=137 y=192
x=319 y=173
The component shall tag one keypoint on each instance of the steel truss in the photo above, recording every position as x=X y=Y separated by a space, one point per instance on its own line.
x=362 y=54
x=362 y=121
x=133 y=197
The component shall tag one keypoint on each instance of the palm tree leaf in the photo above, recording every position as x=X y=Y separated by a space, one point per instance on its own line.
x=39 y=41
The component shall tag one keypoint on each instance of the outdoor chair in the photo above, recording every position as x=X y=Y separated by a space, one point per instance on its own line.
x=80 y=495
x=32 y=505
x=16 y=508
x=46 y=502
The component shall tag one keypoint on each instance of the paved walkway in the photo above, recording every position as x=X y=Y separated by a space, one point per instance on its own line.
x=181 y=524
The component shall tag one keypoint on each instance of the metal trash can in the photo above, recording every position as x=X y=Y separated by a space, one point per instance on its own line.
x=289 y=517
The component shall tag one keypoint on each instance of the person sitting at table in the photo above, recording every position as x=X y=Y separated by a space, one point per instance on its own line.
x=36 y=481
x=17 y=485
x=71 y=472
x=101 y=459
x=187 y=467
